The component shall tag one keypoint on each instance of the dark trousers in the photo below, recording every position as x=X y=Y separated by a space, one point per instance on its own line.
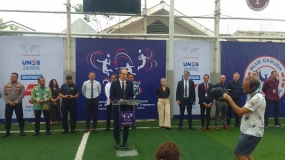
x=38 y=114
x=117 y=124
x=185 y=102
x=91 y=108
x=109 y=114
x=208 y=112
x=267 y=111
x=71 y=108
x=230 y=112
x=19 y=114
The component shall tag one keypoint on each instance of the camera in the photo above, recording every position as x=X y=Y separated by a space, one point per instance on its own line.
x=220 y=92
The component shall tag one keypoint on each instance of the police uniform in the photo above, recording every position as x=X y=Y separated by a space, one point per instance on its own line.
x=68 y=105
x=14 y=92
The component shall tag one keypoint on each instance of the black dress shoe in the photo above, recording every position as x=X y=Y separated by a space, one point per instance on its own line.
x=192 y=128
x=48 y=132
x=117 y=146
x=168 y=128
x=36 y=133
x=86 y=130
x=22 y=133
x=179 y=128
x=125 y=145
x=73 y=131
x=7 y=134
x=64 y=132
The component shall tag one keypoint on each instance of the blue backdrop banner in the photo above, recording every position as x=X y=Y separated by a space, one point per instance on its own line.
x=146 y=59
x=245 y=57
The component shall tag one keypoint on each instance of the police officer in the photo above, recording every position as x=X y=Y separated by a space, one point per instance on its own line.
x=13 y=93
x=68 y=93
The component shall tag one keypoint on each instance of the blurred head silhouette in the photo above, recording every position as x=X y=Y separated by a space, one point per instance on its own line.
x=167 y=151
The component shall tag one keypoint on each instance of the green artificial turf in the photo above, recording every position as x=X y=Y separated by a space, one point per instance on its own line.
x=196 y=145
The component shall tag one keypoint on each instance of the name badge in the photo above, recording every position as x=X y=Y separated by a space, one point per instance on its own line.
x=206 y=95
x=273 y=90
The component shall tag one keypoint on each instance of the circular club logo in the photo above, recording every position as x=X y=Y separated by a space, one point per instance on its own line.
x=264 y=66
x=257 y=5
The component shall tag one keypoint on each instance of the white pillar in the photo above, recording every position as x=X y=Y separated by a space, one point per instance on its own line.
x=217 y=40
x=68 y=38
x=171 y=38
x=145 y=17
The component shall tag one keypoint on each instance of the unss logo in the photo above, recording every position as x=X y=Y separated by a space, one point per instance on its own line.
x=191 y=64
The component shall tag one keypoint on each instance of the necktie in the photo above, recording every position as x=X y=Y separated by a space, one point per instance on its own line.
x=91 y=89
x=206 y=86
x=185 y=89
x=123 y=86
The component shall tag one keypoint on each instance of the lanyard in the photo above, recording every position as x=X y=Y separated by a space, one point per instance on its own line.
x=252 y=95
x=273 y=82
x=222 y=86
x=67 y=87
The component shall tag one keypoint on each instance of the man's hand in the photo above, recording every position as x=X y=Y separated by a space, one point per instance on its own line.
x=12 y=104
x=194 y=103
x=209 y=105
x=41 y=101
x=205 y=104
x=227 y=97
x=121 y=99
x=178 y=102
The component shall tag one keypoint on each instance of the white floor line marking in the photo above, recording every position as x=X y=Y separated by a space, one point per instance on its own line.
x=81 y=148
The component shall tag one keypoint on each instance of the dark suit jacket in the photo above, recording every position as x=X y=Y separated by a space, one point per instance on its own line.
x=180 y=91
x=202 y=92
x=116 y=92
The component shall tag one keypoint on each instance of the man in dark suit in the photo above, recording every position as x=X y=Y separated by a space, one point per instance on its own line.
x=205 y=101
x=185 y=96
x=120 y=90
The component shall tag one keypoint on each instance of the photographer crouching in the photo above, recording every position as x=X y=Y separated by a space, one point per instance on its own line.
x=252 y=123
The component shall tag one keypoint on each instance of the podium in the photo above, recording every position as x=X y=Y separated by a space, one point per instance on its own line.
x=127 y=118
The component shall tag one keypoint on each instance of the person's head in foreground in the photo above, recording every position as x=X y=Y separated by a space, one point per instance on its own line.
x=167 y=151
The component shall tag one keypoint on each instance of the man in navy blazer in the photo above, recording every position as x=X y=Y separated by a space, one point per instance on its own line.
x=121 y=89
x=185 y=96
x=205 y=101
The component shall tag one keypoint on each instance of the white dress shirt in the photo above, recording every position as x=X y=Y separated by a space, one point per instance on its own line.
x=107 y=92
x=125 y=84
x=86 y=89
